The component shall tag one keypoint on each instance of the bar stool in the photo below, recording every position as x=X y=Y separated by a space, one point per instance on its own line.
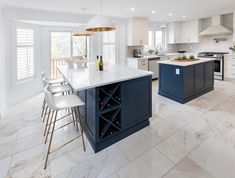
x=59 y=85
x=54 y=81
x=54 y=89
x=56 y=104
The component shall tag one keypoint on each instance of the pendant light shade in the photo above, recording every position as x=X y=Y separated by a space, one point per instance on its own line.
x=82 y=32
x=100 y=23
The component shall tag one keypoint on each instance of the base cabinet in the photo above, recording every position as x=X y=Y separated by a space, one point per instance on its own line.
x=114 y=111
x=188 y=83
x=229 y=67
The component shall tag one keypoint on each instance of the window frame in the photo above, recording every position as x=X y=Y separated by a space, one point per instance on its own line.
x=14 y=45
x=115 y=43
x=154 y=39
x=71 y=41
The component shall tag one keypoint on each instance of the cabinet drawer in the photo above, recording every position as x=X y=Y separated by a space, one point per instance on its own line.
x=230 y=73
x=232 y=57
x=229 y=63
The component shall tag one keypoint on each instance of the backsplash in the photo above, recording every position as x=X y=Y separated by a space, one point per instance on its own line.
x=207 y=43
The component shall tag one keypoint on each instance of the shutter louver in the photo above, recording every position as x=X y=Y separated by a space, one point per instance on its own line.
x=109 y=47
x=25 y=53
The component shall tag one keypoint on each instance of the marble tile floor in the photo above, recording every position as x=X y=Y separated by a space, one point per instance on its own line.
x=195 y=140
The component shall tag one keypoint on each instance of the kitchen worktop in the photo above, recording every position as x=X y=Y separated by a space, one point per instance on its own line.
x=90 y=77
x=162 y=55
x=179 y=63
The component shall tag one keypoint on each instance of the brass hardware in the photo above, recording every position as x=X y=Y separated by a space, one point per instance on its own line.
x=100 y=29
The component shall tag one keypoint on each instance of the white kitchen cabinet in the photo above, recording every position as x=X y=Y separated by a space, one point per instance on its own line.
x=183 y=32
x=138 y=31
x=174 y=33
x=138 y=63
x=234 y=26
x=229 y=66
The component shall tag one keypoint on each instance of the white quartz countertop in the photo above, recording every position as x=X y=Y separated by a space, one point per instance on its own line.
x=90 y=77
x=162 y=55
x=177 y=63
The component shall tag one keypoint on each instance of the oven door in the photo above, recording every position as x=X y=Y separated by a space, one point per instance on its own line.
x=218 y=67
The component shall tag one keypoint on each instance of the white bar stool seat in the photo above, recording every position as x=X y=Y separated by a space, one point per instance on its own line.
x=56 y=81
x=67 y=101
x=59 y=88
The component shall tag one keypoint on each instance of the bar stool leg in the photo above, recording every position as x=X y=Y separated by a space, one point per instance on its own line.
x=81 y=127
x=45 y=112
x=49 y=147
x=72 y=113
x=75 y=120
x=47 y=120
x=43 y=107
x=49 y=126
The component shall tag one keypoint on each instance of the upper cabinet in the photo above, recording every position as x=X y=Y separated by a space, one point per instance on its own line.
x=174 y=35
x=234 y=26
x=183 y=32
x=138 y=31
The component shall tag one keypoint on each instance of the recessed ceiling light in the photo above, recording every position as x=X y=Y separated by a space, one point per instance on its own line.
x=184 y=16
x=132 y=9
x=153 y=12
x=170 y=14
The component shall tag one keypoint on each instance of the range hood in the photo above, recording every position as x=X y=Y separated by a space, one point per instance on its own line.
x=216 y=28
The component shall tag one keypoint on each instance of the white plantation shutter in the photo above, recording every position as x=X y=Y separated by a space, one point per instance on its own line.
x=109 y=47
x=24 y=53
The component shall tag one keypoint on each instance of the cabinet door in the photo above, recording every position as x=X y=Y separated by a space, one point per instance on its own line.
x=143 y=64
x=171 y=39
x=171 y=80
x=136 y=100
x=198 y=77
x=188 y=80
x=209 y=74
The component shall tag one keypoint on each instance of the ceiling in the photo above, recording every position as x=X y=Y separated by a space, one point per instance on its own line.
x=192 y=9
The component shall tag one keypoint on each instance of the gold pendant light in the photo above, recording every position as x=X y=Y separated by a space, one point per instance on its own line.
x=82 y=29
x=100 y=23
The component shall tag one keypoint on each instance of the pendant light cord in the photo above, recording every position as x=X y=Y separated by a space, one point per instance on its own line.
x=101 y=7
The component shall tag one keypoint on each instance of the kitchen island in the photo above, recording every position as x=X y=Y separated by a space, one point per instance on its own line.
x=184 y=81
x=118 y=101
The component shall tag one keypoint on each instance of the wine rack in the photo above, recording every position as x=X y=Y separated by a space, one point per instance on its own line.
x=109 y=110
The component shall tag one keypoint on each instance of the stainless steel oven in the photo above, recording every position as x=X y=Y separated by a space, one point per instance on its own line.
x=218 y=63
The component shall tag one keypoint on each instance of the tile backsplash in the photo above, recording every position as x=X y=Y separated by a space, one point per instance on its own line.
x=207 y=43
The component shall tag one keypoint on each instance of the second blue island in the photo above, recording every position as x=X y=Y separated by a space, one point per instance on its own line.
x=185 y=81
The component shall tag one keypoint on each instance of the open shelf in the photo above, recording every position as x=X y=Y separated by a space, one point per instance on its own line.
x=109 y=110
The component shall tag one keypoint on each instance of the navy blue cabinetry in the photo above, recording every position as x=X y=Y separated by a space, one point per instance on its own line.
x=114 y=111
x=184 y=83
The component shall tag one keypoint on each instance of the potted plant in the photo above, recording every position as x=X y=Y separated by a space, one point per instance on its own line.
x=232 y=49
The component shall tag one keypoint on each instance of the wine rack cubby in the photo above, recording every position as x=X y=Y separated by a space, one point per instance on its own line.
x=109 y=110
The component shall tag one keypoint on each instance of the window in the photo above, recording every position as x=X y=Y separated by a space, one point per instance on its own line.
x=156 y=41
x=24 y=53
x=64 y=47
x=109 y=49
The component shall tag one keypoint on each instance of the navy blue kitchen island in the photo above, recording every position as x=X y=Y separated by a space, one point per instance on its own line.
x=118 y=101
x=185 y=81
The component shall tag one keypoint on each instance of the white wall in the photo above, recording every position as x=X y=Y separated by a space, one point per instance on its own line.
x=12 y=16
x=2 y=64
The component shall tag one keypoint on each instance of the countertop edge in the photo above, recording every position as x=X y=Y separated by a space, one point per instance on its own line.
x=185 y=63
x=147 y=73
